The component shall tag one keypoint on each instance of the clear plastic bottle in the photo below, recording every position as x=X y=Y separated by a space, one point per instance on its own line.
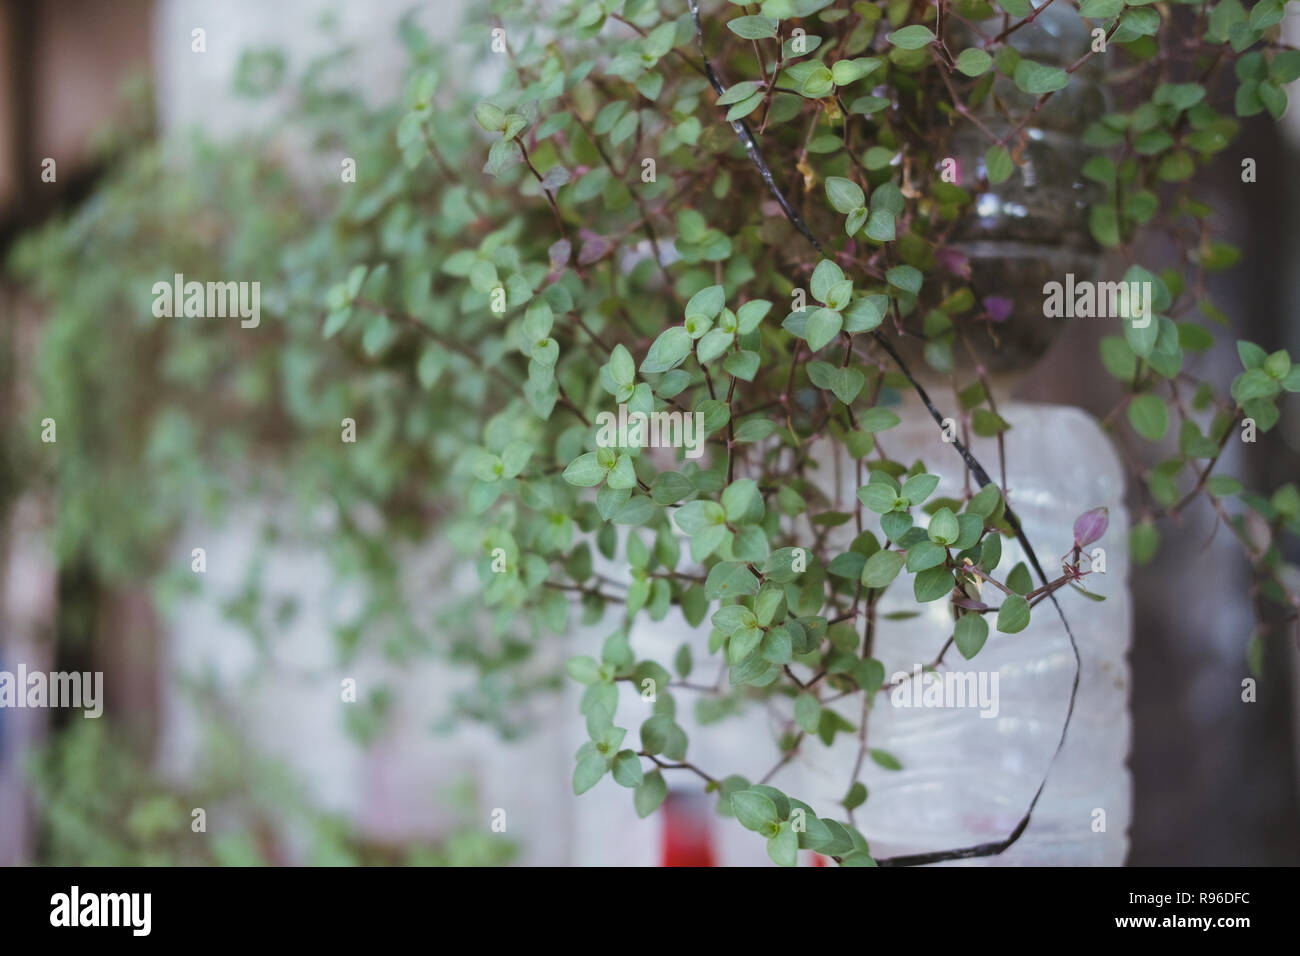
x=968 y=779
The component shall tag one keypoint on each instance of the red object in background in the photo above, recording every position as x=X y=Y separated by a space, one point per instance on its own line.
x=687 y=822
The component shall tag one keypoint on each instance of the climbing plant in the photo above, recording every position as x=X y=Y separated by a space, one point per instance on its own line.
x=750 y=217
x=751 y=214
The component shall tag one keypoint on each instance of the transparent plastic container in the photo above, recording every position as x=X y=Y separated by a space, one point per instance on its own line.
x=968 y=779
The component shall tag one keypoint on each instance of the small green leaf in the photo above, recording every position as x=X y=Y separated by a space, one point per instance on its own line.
x=823 y=326
x=742 y=502
x=932 y=584
x=846 y=383
x=825 y=277
x=730 y=579
x=753 y=809
x=588 y=772
x=1019 y=580
x=1103 y=223
x=985 y=501
x=839 y=294
x=1037 y=79
x=1013 y=615
x=912 y=37
x=925 y=555
x=627 y=769
x=879 y=497
x=919 y=487
x=885 y=759
x=807 y=712
x=1251 y=355
x=783 y=848
x=337 y=320
x=585 y=471
x=623 y=475
x=715 y=343
x=944 y=528
x=1220 y=485
x=975 y=62
x=907 y=278
x=491 y=118
x=742 y=364
x=1144 y=541
x=668 y=351
x=998 y=165
x=854 y=220
x=622 y=368
x=1180 y=96
x=1149 y=416
x=749 y=315
x=585 y=670
x=865 y=314
x=1278 y=365
x=878 y=420
x=1254 y=384
x=845 y=195
x=742 y=644
x=656 y=732
x=1100 y=9
x=706 y=304
x=970 y=634
x=752 y=28
x=818 y=83
x=739 y=91
x=660 y=40
x=881 y=568
x=856 y=796
x=652 y=791
x=844 y=72
x=880 y=226
x=754 y=429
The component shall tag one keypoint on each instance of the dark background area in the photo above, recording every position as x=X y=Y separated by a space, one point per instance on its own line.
x=1215 y=779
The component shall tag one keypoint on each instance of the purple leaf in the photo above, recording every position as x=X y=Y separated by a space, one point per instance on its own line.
x=555 y=177
x=953 y=260
x=998 y=308
x=593 y=249
x=1090 y=526
x=559 y=253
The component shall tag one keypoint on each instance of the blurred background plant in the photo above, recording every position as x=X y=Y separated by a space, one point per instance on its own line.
x=102 y=805
x=164 y=423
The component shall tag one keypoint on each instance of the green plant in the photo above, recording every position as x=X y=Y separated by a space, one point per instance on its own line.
x=102 y=805
x=636 y=219
x=615 y=121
